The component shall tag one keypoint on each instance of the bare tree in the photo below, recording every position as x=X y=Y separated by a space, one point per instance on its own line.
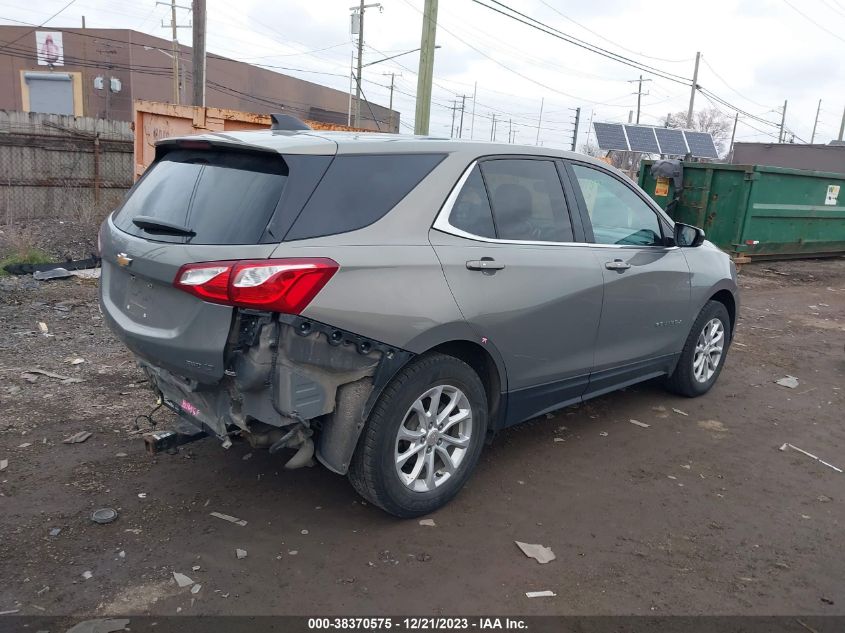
x=591 y=149
x=707 y=120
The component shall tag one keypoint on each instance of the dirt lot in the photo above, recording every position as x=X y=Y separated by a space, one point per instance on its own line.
x=700 y=513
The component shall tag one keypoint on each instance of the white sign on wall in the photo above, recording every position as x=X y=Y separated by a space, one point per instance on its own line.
x=49 y=48
x=832 y=195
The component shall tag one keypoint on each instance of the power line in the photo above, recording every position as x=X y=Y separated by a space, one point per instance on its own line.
x=811 y=20
x=719 y=77
x=598 y=35
x=549 y=30
x=36 y=27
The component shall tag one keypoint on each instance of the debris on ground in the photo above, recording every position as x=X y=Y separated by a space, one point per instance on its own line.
x=42 y=327
x=559 y=439
x=824 y=499
x=32 y=374
x=247 y=456
x=25 y=445
x=304 y=532
x=87 y=575
x=228 y=518
x=142 y=495
x=603 y=433
x=182 y=580
x=712 y=425
x=77 y=438
x=638 y=423
x=10 y=612
x=293 y=552
x=240 y=553
x=195 y=568
x=75 y=361
x=540 y=553
x=121 y=554
x=428 y=522
x=801 y=450
x=196 y=588
x=104 y=515
x=55 y=531
x=4 y=463
x=55 y=273
x=540 y=594
x=787 y=381
x=679 y=412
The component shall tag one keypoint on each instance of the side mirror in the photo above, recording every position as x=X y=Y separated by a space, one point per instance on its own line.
x=688 y=236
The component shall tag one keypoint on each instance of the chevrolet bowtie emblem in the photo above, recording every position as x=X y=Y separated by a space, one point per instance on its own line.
x=123 y=259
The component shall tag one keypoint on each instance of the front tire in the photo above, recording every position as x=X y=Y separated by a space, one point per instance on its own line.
x=704 y=352
x=423 y=437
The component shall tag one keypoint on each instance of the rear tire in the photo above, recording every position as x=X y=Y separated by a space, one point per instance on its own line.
x=704 y=352
x=405 y=462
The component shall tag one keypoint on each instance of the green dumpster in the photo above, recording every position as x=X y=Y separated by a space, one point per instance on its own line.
x=758 y=210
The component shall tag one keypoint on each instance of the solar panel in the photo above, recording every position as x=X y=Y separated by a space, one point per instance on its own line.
x=701 y=144
x=671 y=141
x=610 y=136
x=642 y=139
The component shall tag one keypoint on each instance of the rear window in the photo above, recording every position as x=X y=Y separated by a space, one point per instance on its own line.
x=223 y=197
x=358 y=190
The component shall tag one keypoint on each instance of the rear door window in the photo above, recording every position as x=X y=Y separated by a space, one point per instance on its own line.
x=224 y=197
x=471 y=211
x=527 y=199
x=358 y=190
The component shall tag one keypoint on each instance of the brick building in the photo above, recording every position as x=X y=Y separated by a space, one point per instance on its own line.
x=99 y=72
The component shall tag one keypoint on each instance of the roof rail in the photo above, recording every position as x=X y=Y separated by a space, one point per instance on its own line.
x=287 y=122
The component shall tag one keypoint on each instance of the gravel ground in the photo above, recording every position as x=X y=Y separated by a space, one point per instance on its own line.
x=699 y=513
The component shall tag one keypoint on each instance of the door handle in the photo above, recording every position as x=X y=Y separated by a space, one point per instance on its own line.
x=617 y=264
x=484 y=264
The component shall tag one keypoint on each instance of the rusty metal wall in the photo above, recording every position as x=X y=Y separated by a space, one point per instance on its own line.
x=64 y=167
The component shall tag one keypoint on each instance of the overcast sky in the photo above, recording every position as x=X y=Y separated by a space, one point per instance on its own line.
x=756 y=54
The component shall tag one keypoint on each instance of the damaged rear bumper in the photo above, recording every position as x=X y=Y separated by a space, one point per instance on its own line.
x=289 y=383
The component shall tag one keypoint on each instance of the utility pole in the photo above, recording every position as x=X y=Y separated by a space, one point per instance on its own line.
x=175 y=43
x=782 y=136
x=493 y=127
x=452 y=127
x=693 y=89
x=842 y=125
x=540 y=120
x=733 y=136
x=463 y=105
x=358 y=26
x=472 y=120
x=630 y=116
x=390 y=106
x=816 y=122
x=426 y=69
x=577 y=123
x=199 y=52
x=639 y=93
x=589 y=129
x=510 y=130
x=83 y=21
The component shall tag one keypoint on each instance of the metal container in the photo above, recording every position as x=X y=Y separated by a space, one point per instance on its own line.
x=154 y=121
x=757 y=210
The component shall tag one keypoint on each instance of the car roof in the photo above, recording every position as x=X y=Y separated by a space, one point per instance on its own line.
x=329 y=143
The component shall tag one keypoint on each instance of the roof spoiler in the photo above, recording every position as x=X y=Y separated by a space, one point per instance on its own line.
x=287 y=122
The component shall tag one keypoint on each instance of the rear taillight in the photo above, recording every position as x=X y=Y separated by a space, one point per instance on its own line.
x=278 y=285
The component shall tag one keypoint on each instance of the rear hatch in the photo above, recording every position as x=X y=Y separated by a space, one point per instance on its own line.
x=203 y=200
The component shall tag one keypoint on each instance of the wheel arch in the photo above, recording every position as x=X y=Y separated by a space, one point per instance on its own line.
x=727 y=299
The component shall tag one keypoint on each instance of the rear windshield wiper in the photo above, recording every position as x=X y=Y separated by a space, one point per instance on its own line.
x=155 y=225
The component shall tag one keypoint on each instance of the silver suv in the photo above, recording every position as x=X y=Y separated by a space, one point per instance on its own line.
x=387 y=303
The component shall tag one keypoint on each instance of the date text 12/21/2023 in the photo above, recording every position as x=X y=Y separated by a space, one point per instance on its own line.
x=417 y=623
